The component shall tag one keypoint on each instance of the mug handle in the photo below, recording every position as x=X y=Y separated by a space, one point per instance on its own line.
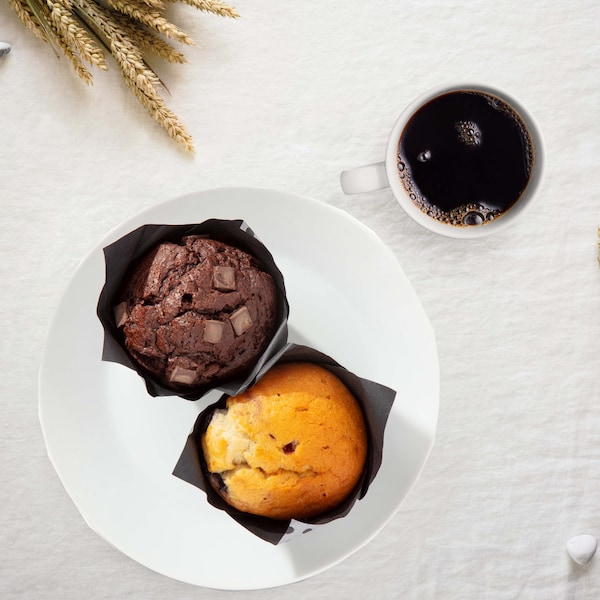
x=367 y=178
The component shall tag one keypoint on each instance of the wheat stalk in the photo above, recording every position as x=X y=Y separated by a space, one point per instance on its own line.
x=83 y=29
x=138 y=76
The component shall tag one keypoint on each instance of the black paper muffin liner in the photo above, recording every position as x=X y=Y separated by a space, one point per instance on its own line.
x=119 y=256
x=376 y=402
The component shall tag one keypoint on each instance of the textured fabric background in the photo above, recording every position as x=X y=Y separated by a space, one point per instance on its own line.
x=286 y=97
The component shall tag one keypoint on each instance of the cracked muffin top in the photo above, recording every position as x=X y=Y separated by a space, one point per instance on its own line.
x=197 y=313
x=293 y=445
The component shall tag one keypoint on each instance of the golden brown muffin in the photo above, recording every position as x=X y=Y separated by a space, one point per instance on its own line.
x=292 y=446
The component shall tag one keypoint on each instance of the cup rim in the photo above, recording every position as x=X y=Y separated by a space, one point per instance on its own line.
x=529 y=195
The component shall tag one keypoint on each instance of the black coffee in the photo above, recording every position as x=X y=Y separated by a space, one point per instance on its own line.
x=465 y=158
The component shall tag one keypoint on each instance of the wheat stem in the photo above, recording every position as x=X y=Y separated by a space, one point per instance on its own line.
x=40 y=12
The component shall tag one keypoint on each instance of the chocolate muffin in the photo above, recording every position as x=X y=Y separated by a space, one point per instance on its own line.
x=293 y=445
x=197 y=312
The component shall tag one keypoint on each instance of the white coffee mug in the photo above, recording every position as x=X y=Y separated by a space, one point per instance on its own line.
x=385 y=174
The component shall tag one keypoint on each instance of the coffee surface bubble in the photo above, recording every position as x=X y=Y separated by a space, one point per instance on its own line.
x=468 y=133
x=465 y=158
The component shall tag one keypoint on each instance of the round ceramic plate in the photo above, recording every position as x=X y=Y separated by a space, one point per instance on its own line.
x=114 y=447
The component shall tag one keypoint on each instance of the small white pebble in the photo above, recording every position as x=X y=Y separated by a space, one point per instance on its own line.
x=4 y=48
x=581 y=548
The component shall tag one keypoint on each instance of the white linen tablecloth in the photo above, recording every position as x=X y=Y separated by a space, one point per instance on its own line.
x=286 y=97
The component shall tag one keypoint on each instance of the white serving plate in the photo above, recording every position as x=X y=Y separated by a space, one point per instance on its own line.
x=114 y=446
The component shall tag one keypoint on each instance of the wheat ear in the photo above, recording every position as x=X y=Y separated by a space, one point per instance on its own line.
x=215 y=7
x=145 y=39
x=137 y=74
x=28 y=18
x=153 y=18
x=74 y=35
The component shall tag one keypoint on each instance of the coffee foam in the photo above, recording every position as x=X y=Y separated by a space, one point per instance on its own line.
x=466 y=215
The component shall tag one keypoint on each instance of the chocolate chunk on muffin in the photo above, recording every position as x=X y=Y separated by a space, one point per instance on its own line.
x=196 y=313
x=293 y=445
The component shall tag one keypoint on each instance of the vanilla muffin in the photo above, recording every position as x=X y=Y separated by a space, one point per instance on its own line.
x=293 y=445
x=197 y=312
